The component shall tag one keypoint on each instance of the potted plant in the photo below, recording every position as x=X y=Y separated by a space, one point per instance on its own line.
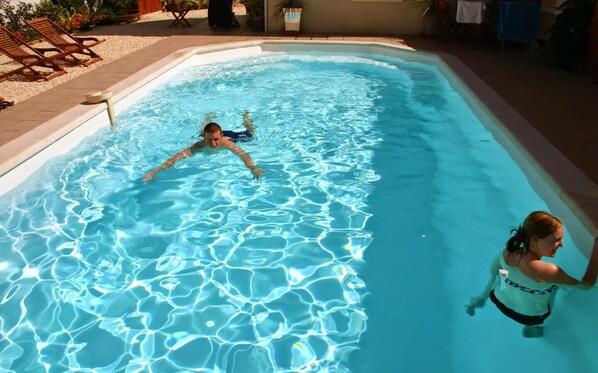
x=125 y=10
x=291 y=11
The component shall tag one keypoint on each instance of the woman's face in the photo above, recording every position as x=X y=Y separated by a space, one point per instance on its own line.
x=548 y=245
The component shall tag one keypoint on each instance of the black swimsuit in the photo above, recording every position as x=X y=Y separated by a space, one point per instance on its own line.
x=520 y=318
x=238 y=136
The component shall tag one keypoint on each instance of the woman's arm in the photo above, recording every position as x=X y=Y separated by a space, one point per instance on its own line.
x=589 y=277
x=551 y=273
x=480 y=300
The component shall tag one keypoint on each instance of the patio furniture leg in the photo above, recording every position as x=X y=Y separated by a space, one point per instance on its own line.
x=179 y=18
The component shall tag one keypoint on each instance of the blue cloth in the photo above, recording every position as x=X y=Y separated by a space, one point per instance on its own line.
x=238 y=136
x=517 y=21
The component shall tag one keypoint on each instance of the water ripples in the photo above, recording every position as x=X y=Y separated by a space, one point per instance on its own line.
x=202 y=268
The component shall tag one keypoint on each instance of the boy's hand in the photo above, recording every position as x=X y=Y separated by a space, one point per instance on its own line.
x=150 y=175
x=257 y=173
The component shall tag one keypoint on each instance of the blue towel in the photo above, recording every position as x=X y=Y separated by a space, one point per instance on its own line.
x=517 y=21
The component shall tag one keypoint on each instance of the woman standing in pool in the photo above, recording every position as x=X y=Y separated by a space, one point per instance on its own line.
x=528 y=285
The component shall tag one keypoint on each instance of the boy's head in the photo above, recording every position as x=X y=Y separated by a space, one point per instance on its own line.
x=212 y=134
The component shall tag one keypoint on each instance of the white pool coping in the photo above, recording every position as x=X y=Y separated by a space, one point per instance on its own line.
x=568 y=192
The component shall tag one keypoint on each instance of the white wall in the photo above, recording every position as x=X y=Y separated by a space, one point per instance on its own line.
x=370 y=17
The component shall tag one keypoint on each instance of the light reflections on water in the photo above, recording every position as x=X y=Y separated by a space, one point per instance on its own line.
x=202 y=268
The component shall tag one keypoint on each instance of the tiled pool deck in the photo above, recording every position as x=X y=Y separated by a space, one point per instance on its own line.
x=561 y=105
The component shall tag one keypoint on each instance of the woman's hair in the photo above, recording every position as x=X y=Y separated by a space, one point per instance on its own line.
x=211 y=128
x=537 y=224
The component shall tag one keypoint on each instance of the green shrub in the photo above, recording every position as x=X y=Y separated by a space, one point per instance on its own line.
x=47 y=8
x=71 y=6
x=72 y=15
x=194 y=4
x=186 y=4
x=117 y=6
x=103 y=16
x=13 y=16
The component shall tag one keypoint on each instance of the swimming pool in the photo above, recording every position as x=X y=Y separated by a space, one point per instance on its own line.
x=351 y=254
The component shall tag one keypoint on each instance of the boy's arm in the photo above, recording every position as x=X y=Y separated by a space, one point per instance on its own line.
x=257 y=173
x=172 y=160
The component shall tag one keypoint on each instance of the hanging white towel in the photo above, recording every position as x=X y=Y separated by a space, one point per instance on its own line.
x=470 y=11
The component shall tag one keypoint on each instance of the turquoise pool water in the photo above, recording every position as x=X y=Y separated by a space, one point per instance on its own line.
x=383 y=202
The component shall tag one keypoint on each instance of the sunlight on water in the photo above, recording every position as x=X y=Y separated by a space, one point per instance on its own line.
x=206 y=269
x=203 y=266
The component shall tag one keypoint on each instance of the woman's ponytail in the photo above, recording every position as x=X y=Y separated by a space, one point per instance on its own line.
x=518 y=240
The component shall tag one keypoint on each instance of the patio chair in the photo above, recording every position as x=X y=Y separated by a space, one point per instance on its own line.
x=61 y=39
x=29 y=57
x=179 y=12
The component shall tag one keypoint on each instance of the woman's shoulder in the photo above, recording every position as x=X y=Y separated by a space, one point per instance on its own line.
x=533 y=268
x=543 y=269
x=539 y=271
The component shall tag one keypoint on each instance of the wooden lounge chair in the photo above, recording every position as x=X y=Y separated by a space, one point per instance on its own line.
x=61 y=39
x=29 y=57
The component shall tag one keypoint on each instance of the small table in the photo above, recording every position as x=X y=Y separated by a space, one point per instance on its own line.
x=179 y=15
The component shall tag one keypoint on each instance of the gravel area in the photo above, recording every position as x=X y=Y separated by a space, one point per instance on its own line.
x=119 y=42
x=18 y=88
